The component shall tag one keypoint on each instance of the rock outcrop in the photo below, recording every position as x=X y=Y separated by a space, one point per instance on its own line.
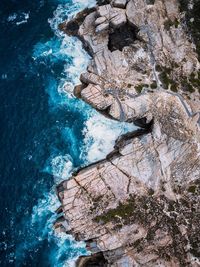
x=139 y=206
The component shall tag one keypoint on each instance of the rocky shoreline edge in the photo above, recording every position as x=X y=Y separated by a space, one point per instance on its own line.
x=139 y=206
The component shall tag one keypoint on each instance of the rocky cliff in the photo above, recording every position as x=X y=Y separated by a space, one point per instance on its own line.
x=139 y=206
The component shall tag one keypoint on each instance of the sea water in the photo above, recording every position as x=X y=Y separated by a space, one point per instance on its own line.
x=46 y=133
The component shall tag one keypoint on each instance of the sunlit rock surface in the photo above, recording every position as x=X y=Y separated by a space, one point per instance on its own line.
x=139 y=206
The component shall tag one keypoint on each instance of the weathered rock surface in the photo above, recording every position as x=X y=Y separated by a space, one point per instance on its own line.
x=119 y=3
x=140 y=206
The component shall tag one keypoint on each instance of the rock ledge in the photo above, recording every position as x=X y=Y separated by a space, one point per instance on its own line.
x=140 y=205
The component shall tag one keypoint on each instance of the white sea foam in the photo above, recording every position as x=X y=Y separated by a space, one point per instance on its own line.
x=100 y=132
x=40 y=224
x=12 y=17
x=61 y=167
x=18 y=18
x=76 y=249
x=67 y=249
x=100 y=135
x=70 y=47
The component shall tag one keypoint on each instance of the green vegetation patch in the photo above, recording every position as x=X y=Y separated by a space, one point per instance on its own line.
x=194 y=80
x=188 y=84
x=169 y=23
x=164 y=77
x=136 y=209
x=192 y=20
x=154 y=85
x=174 y=87
x=124 y=211
x=139 y=87
x=192 y=189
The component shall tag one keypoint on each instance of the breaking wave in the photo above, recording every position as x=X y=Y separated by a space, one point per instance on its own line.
x=95 y=140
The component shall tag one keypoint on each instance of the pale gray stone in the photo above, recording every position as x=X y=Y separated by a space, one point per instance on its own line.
x=143 y=198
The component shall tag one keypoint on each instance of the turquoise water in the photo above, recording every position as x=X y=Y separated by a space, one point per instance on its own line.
x=45 y=132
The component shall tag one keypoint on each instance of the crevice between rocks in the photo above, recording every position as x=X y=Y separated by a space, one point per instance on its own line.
x=71 y=27
x=123 y=36
x=94 y=260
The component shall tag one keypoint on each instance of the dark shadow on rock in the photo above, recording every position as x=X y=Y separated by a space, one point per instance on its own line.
x=95 y=260
x=121 y=37
x=71 y=27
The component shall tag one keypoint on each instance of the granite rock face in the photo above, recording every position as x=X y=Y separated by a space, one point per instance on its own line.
x=139 y=206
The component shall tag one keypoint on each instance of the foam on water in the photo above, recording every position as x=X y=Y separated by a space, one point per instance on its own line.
x=99 y=133
x=19 y=18
x=12 y=17
x=64 y=249
x=58 y=49
x=60 y=166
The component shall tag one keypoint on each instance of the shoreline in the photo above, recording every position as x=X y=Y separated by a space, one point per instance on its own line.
x=149 y=172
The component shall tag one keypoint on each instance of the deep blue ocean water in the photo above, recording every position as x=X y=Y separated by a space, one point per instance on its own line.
x=45 y=132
